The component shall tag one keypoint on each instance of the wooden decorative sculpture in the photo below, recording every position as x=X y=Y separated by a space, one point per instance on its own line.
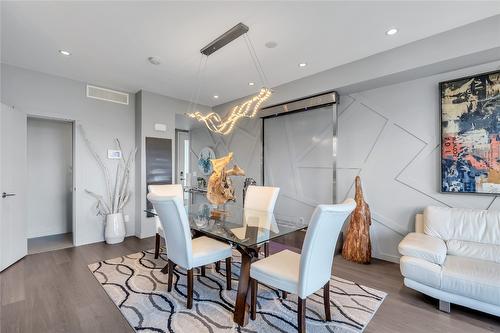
x=220 y=188
x=357 y=246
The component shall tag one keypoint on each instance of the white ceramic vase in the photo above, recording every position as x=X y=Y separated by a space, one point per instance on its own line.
x=114 y=231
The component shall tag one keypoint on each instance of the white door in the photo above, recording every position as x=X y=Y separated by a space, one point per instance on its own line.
x=13 y=241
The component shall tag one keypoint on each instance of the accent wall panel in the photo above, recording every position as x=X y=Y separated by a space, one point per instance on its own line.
x=300 y=158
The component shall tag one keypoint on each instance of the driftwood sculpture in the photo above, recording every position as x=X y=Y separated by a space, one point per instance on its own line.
x=357 y=246
x=220 y=187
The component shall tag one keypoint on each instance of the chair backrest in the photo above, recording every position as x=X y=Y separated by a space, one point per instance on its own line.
x=319 y=245
x=166 y=190
x=261 y=197
x=174 y=190
x=174 y=218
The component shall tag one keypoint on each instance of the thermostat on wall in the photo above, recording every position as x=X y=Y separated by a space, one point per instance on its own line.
x=114 y=154
x=161 y=127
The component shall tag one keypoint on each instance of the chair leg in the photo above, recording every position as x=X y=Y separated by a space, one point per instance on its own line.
x=203 y=273
x=266 y=249
x=170 y=274
x=157 y=245
x=217 y=266
x=228 y=273
x=284 y=294
x=190 y=288
x=301 y=315
x=326 y=301
x=254 y=285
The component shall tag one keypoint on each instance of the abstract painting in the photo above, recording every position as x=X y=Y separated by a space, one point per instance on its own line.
x=470 y=138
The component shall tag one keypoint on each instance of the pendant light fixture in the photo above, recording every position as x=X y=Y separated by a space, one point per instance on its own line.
x=248 y=108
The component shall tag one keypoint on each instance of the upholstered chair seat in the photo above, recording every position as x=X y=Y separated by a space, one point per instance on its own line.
x=164 y=190
x=304 y=274
x=261 y=198
x=182 y=250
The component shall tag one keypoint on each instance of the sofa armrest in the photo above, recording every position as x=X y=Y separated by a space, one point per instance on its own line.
x=423 y=246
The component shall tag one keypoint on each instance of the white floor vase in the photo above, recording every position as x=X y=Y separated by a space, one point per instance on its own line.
x=114 y=231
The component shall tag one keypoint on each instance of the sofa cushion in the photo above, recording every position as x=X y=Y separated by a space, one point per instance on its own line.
x=474 y=250
x=473 y=225
x=423 y=246
x=477 y=279
x=421 y=270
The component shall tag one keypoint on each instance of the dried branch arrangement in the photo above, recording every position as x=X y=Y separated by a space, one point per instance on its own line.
x=117 y=193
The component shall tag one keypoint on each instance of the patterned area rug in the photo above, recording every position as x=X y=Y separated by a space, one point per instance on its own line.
x=139 y=289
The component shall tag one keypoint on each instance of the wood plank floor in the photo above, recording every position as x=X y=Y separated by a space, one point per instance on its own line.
x=55 y=292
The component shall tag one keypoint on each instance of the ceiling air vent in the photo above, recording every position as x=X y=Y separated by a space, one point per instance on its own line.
x=107 y=95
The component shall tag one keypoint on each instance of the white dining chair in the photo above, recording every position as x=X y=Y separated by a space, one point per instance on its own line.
x=164 y=190
x=304 y=274
x=181 y=249
x=262 y=198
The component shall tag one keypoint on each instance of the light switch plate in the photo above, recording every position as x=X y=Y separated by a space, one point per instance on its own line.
x=114 y=154
x=161 y=127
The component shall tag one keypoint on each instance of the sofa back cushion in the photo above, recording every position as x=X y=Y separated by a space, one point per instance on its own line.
x=471 y=225
x=474 y=250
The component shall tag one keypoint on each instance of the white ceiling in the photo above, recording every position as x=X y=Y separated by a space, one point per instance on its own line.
x=111 y=41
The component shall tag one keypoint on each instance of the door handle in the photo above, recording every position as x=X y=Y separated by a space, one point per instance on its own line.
x=5 y=195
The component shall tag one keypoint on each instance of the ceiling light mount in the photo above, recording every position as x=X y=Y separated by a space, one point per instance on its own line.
x=302 y=64
x=65 y=53
x=225 y=39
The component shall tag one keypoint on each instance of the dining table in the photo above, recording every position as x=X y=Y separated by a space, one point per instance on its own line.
x=247 y=230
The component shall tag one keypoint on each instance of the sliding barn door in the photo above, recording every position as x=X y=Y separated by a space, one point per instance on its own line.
x=299 y=158
x=13 y=241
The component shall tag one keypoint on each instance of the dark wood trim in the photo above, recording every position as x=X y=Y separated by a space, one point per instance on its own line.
x=266 y=249
x=301 y=315
x=254 y=285
x=190 y=288
x=326 y=301
x=248 y=255
x=157 y=245
x=228 y=273
x=170 y=274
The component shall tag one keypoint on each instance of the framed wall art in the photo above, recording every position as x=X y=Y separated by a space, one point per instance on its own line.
x=470 y=138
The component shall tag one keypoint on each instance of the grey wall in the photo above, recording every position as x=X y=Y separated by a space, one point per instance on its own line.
x=50 y=177
x=153 y=108
x=390 y=136
x=389 y=124
x=50 y=96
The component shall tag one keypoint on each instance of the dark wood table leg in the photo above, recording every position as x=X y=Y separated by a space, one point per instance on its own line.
x=241 y=307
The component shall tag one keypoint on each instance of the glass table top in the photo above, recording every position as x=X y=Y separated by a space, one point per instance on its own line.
x=241 y=226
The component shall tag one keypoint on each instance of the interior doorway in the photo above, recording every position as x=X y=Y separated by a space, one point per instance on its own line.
x=182 y=157
x=49 y=184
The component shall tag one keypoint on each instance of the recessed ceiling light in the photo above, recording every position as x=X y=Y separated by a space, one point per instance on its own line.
x=302 y=64
x=154 y=60
x=216 y=96
x=251 y=83
x=64 y=52
x=391 y=32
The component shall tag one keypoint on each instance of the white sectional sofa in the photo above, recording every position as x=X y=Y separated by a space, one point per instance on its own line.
x=454 y=256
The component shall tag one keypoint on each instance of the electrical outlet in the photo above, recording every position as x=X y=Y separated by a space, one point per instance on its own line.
x=126 y=218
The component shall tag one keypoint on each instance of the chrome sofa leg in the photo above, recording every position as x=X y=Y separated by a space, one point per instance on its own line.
x=444 y=306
